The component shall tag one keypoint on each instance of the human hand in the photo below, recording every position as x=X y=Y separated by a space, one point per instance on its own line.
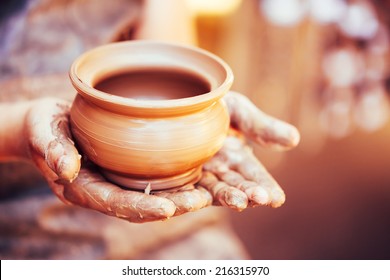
x=54 y=153
x=234 y=176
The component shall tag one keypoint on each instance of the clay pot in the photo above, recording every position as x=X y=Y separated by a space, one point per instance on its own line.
x=157 y=143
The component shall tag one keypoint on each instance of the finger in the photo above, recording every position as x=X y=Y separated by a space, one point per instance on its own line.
x=188 y=199
x=91 y=190
x=254 y=171
x=256 y=193
x=48 y=132
x=258 y=126
x=222 y=193
x=251 y=176
x=50 y=176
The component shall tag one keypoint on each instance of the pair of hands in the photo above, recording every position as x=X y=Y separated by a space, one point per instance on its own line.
x=233 y=177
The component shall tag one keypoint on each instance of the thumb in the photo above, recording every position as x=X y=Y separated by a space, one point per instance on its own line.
x=48 y=134
x=258 y=126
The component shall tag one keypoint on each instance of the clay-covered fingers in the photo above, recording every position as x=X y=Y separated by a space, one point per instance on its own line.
x=236 y=166
x=258 y=126
x=237 y=186
x=260 y=186
x=47 y=128
x=187 y=198
x=234 y=176
x=222 y=193
x=91 y=190
x=262 y=182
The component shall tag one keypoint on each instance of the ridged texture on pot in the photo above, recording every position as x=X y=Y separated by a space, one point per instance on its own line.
x=148 y=147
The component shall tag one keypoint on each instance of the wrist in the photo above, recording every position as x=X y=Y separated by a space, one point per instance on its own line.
x=13 y=138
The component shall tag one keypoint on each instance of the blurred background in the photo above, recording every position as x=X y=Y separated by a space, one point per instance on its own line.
x=324 y=67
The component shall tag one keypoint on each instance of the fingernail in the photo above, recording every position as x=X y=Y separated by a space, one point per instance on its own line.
x=236 y=200
x=261 y=196
x=278 y=198
x=64 y=170
x=294 y=136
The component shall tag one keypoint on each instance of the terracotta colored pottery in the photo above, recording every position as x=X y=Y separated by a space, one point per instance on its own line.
x=157 y=143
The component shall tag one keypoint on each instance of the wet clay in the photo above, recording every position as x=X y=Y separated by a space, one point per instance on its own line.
x=154 y=84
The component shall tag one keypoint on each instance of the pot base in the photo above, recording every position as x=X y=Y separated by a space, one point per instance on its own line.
x=189 y=177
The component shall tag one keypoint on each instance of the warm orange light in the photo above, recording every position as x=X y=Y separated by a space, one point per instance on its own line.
x=214 y=7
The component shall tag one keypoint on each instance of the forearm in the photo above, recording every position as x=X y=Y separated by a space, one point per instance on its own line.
x=168 y=20
x=13 y=144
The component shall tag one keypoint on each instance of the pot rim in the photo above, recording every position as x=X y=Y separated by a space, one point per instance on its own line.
x=170 y=106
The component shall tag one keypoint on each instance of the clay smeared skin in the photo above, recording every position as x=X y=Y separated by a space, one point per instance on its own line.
x=235 y=165
x=223 y=193
x=50 y=144
x=54 y=144
x=258 y=126
x=187 y=198
x=233 y=177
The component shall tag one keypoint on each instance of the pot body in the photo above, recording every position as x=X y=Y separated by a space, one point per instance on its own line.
x=149 y=149
x=156 y=144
